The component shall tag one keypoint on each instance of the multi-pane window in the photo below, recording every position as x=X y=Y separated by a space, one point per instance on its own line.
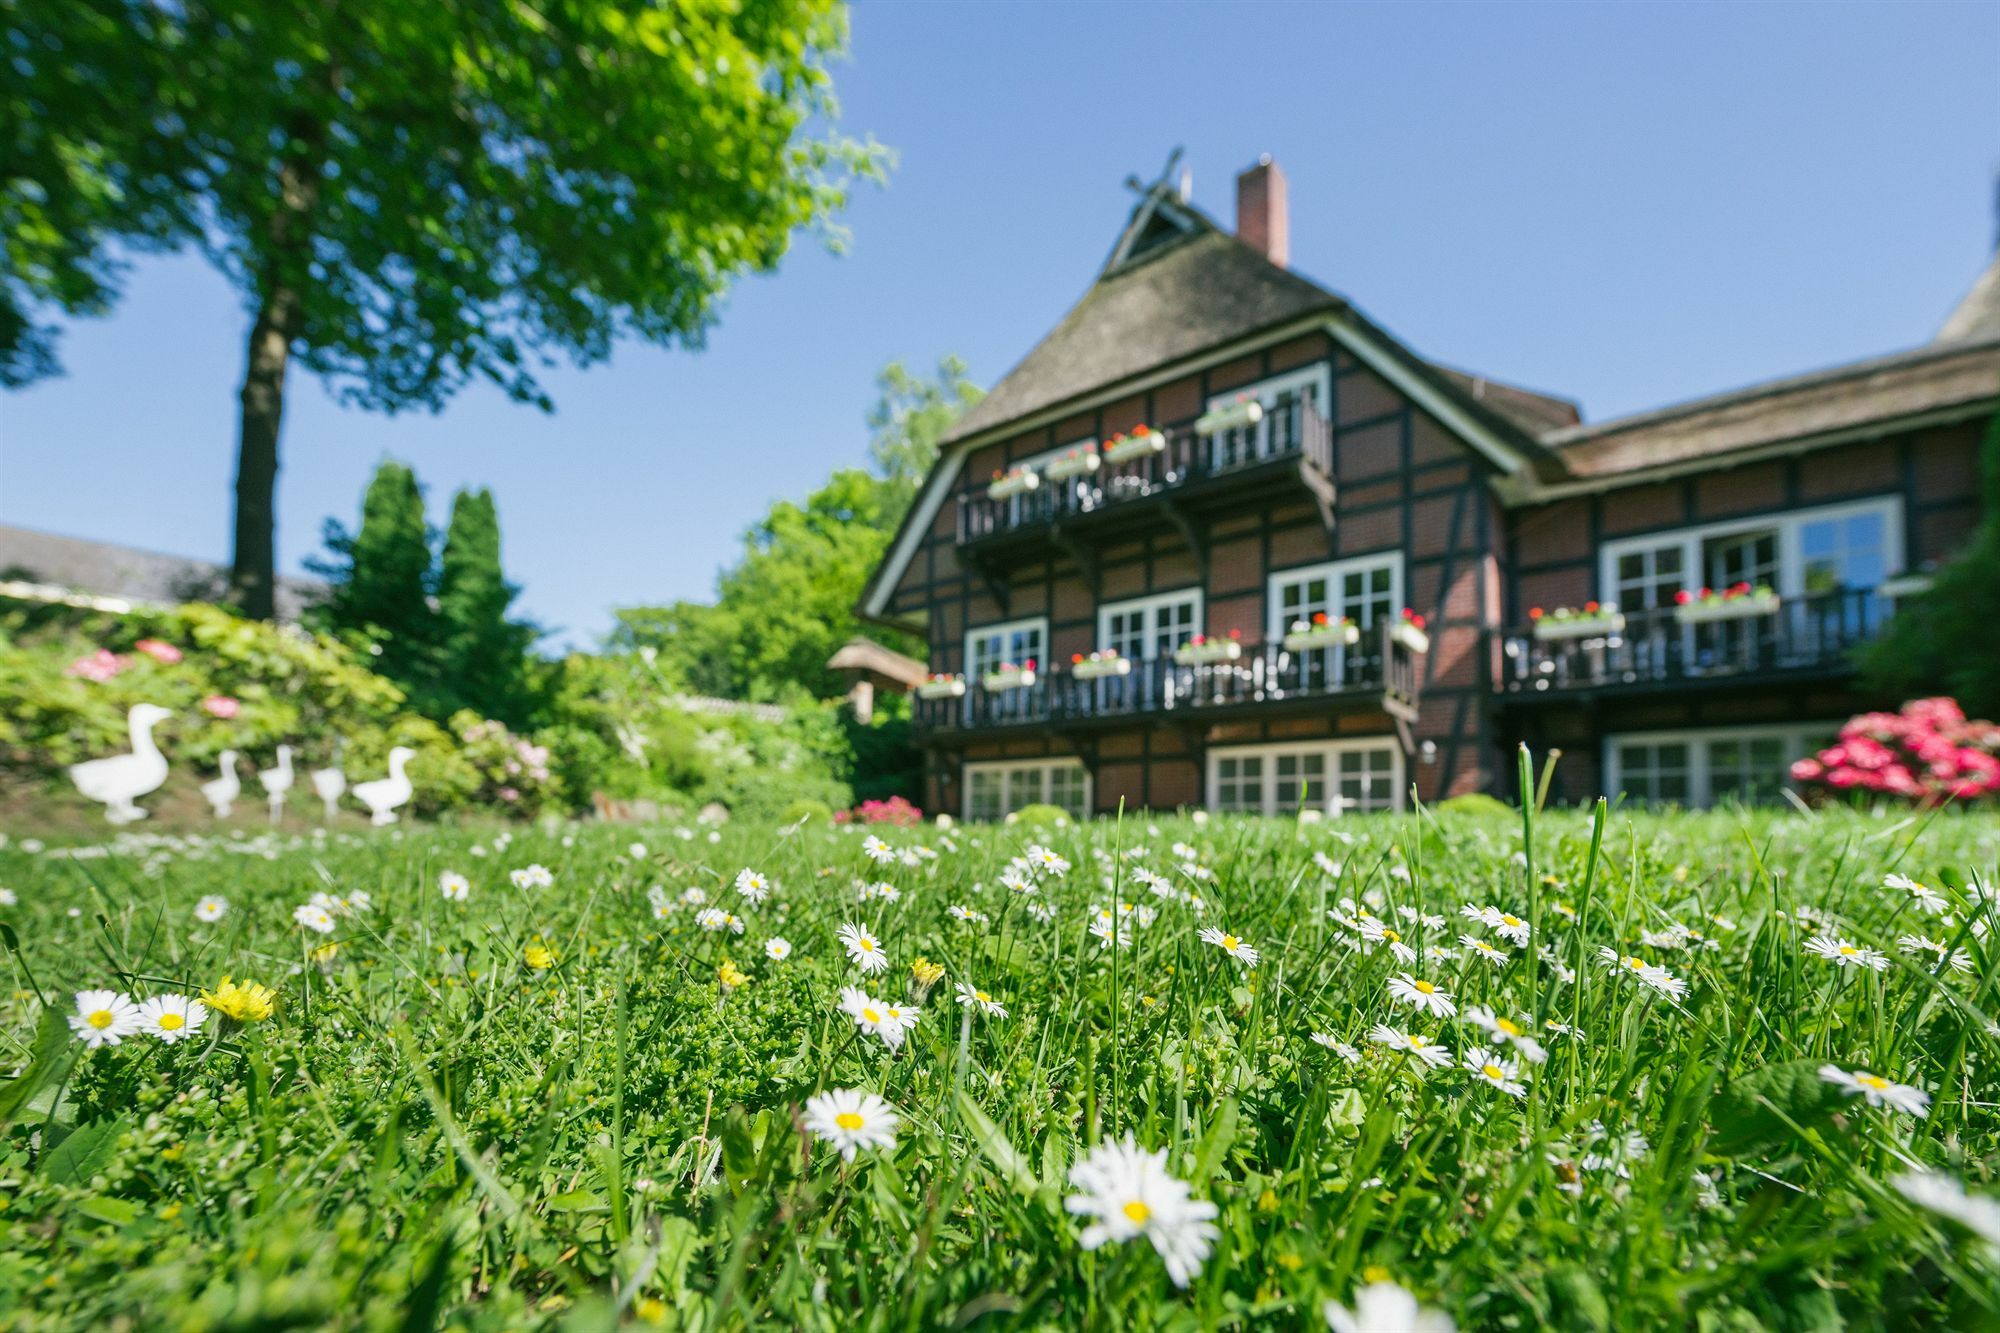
x=1364 y=590
x=1741 y=557
x=1283 y=398
x=1018 y=642
x=1149 y=627
x=1808 y=552
x=1239 y=783
x=994 y=791
x=1849 y=550
x=1691 y=768
x=1648 y=577
x=1337 y=777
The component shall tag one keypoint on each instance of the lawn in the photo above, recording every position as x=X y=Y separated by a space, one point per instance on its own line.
x=1729 y=1072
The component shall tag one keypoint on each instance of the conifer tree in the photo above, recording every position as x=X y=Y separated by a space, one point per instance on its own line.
x=381 y=577
x=483 y=656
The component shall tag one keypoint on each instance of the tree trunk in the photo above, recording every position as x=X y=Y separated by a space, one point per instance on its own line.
x=254 y=575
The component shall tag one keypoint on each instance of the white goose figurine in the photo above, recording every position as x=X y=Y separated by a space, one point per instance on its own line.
x=278 y=782
x=120 y=780
x=329 y=783
x=221 y=794
x=383 y=795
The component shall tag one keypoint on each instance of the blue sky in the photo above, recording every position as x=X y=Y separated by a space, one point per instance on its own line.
x=1629 y=204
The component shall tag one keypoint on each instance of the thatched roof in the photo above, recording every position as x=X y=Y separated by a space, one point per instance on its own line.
x=1536 y=413
x=1181 y=297
x=1977 y=316
x=1837 y=402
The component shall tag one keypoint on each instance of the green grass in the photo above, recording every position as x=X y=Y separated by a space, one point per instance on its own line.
x=431 y=1133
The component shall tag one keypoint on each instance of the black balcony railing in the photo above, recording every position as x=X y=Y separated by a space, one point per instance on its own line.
x=1378 y=667
x=1292 y=429
x=1806 y=635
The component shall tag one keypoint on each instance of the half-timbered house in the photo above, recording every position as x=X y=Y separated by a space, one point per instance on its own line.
x=1221 y=540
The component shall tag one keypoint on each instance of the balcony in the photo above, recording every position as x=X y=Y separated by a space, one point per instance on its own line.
x=1292 y=440
x=1806 y=638
x=1377 y=673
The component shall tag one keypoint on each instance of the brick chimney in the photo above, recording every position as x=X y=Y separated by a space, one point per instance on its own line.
x=1263 y=218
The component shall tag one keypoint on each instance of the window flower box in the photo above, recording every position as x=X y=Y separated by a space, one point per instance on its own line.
x=1019 y=481
x=1904 y=585
x=1322 y=632
x=1078 y=462
x=1738 y=603
x=1245 y=411
x=1202 y=650
x=1008 y=676
x=1100 y=665
x=1592 y=621
x=1140 y=442
x=941 y=686
x=1409 y=631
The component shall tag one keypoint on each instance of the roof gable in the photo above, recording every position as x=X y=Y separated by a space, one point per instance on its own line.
x=1173 y=289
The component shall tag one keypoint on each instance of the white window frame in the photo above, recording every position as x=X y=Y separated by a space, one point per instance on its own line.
x=1004 y=769
x=1399 y=776
x=1150 y=603
x=1005 y=627
x=1791 y=566
x=1268 y=391
x=1330 y=570
x=1800 y=739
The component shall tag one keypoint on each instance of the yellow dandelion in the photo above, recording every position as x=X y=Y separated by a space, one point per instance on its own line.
x=246 y=1002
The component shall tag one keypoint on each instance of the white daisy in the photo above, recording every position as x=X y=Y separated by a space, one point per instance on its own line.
x=1947 y=1197
x=455 y=887
x=1481 y=949
x=1231 y=945
x=535 y=876
x=1377 y=931
x=104 y=1017
x=1507 y=1032
x=1128 y=1193
x=753 y=886
x=313 y=917
x=1923 y=895
x=972 y=997
x=1422 y=1047
x=1422 y=996
x=880 y=852
x=1496 y=1071
x=1842 y=953
x=1878 y=1090
x=863 y=949
x=1046 y=862
x=1959 y=959
x=777 y=948
x=172 y=1018
x=1384 y=1307
x=211 y=908
x=851 y=1120
x=1338 y=1047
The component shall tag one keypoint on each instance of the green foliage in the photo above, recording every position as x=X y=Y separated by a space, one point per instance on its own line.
x=1478 y=804
x=1041 y=816
x=788 y=603
x=483 y=656
x=432 y=1132
x=381 y=580
x=1946 y=640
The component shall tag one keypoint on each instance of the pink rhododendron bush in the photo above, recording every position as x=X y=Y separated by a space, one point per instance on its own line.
x=1929 y=752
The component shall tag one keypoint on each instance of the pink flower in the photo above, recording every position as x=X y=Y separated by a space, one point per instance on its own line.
x=101 y=665
x=509 y=794
x=160 y=651
x=220 y=705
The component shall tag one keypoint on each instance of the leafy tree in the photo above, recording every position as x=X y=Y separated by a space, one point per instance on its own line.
x=381 y=579
x=788 y=602
x=483 y=658
x=412 y=196
x=911 y=416
x=1948 y=639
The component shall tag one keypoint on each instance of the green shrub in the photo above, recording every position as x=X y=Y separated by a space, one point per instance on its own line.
x=808 y=810
x=1475 y=803
x=1045 y=816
